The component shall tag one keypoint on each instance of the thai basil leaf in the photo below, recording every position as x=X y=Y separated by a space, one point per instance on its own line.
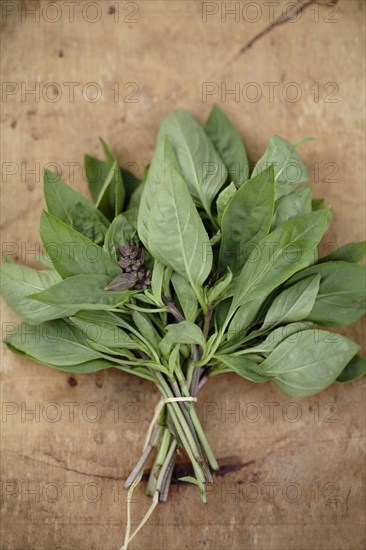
x=157 y=278
x=184 y=333
x=88 y=224
x=164 y=159
x=293 y=304
x=341 y=297
x=146 y=328
x=71 y=252
x=53 y=342
x=86 y=291
x=61 y=200
x=279 y=334
x=119 y=232
x=247 y=220
x=200 y=164
x=116 y=185
x=310 y=364
x=94 y=365
x=294 y=204
x=228 y=144
x=19 y=281
x=317 y=204
x=175 y=224
x=97 y=172
x=289 y=169
x=354 y=370
x=103 y=327
x=350 y=252
x=223 y=200
x=218 y=289
x=286 y=250
x=186 y=297
x=246 y=368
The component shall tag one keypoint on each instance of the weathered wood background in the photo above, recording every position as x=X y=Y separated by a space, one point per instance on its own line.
x=291 y=476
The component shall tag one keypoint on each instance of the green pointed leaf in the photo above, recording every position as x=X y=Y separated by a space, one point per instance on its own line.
x=288 y=249
x=223 y=200
x=294 y=204
x=186 y=296
x=341 y=297
x=228 y=144
x=350 y=252
x=293 y=304
x=53 y=342
x=201 y=166
x=88 y=223
x=175 y=224
x=119 y=232
x=164 y=159
x=86 y=291
x=355 y=369
x=184 y=333
x=310 y=364
x=247 y=220
x=103 y=327
x=71 y=252
x=116 y=185
x=246 y=368
x=289 y=169
x=61 y=200
x=18 y=282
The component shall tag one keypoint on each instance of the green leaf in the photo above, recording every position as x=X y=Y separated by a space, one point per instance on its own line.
x=218 y=289
x=228 y=144
x=244 y=367
x=184 y=333
x=119 y=232
x=341 y=297
x=288 y=166
x=102 y=327
x=223 y=200
x=61 y=200
x=81 y=368
x=247 y=220
x=18 y=282
x=317 y=204
x=53 y=342
x=294 y=204
x=355 y=369
x=146 y=328
x=96 y=173
x=86 y=291
x=186 y=297
x=286 y=250
x=293 y=304
x=157 y=278
x=350 y=252
x=279 y=334
x=310 y=364
x=200 y=164
x=164 y=159
x=88 y=223
x=116 y=185
x=177 y=236
x=71 y=252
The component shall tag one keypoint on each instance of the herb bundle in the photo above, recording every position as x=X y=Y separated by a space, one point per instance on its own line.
x=200 y=269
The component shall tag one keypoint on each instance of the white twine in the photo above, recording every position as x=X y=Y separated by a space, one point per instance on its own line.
x=155 y=501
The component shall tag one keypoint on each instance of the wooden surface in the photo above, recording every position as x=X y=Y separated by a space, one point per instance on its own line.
x=284 y=484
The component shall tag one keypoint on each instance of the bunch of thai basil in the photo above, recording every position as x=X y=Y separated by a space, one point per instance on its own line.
x=201 y=269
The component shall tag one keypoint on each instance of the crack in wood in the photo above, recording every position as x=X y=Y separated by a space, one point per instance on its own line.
x=281 y=20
